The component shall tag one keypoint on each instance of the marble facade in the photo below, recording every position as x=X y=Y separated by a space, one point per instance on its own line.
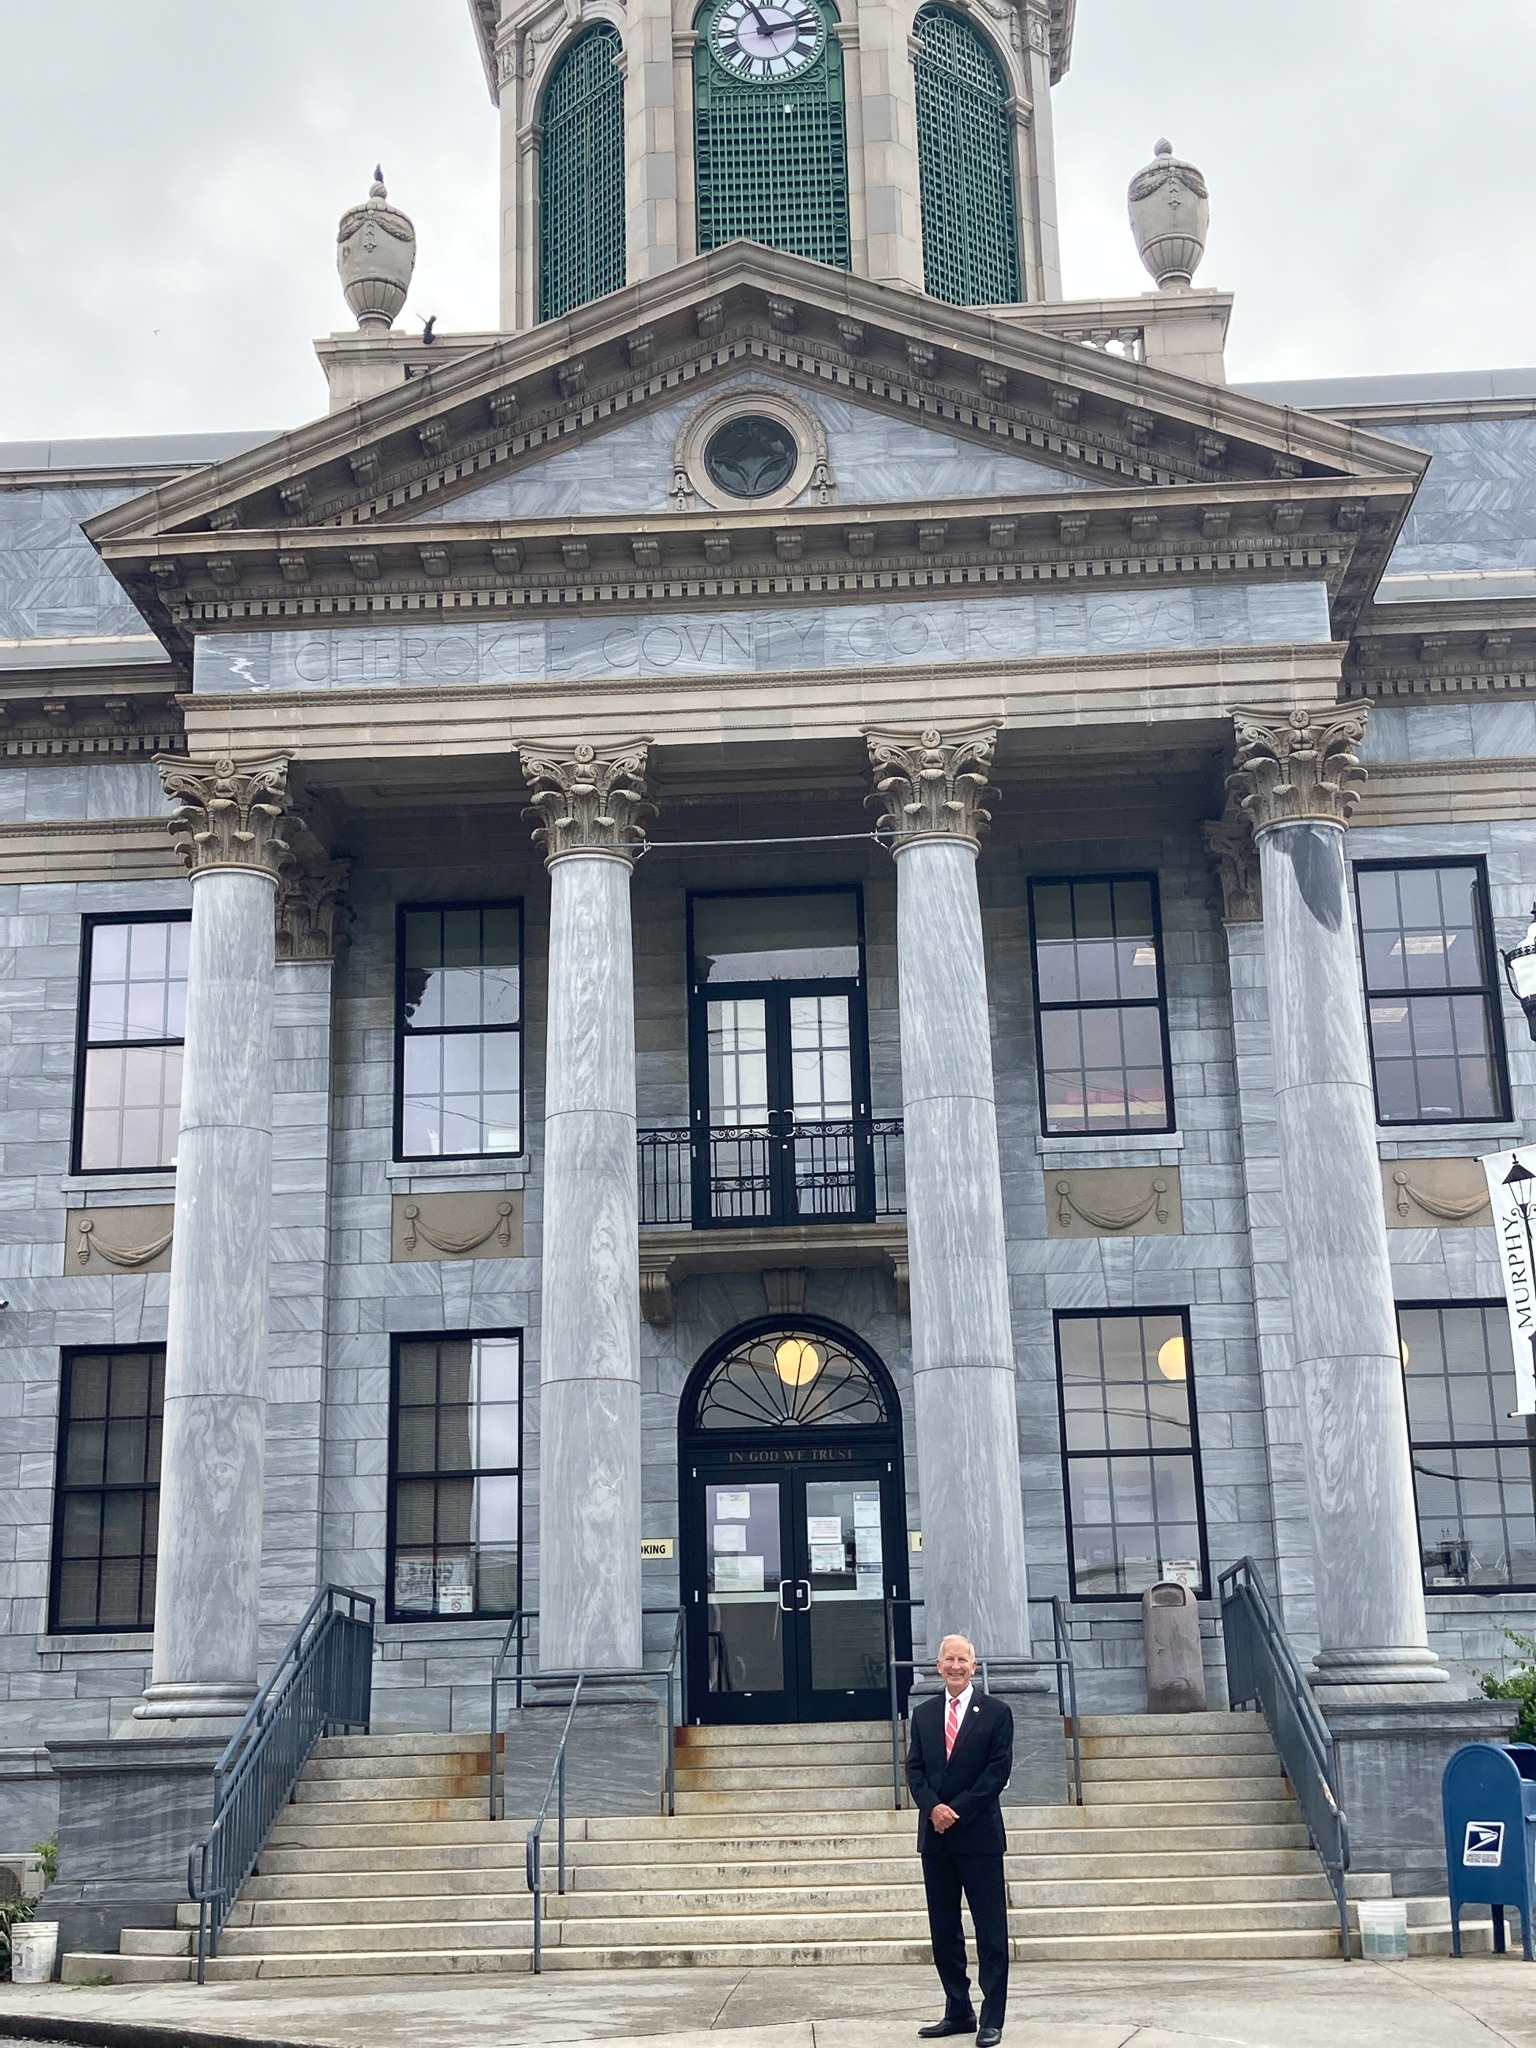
x=411 y=684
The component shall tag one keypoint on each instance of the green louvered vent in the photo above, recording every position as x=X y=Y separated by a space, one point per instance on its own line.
x=581 y=176
x=772 y=161
x=965 y=166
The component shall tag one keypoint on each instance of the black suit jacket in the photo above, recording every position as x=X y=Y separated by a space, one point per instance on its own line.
x=970 y=1779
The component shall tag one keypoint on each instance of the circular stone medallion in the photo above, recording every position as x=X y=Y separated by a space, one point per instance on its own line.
x=751 y=456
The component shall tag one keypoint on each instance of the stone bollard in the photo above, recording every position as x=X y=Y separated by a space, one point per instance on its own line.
x=1170 y=1630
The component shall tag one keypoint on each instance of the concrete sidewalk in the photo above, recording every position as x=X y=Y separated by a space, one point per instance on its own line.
x=1430 y=2004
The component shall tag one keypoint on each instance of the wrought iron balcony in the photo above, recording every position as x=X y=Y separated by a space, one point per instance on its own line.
x=781 y=1172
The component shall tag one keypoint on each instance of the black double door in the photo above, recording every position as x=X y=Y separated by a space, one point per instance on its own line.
x=789 y=1559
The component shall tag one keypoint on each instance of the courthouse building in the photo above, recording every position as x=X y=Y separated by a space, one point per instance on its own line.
x=812 y=930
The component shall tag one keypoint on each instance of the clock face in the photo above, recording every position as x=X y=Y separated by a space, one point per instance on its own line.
x=768 y=40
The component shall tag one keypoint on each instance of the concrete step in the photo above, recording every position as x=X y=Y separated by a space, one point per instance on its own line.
x=129 y=1969
x=158 y=1941
x=1207 y=1767
x=1167 y=1786
x=816 y=1781
x=1218 y=1868
x=428 y=1743
x=846 y=1799
x=1246 y=1736
x=422 y=1937
x=410 y=1909
x=826 y=1734
x=1096 y=1725
x=323 y=1807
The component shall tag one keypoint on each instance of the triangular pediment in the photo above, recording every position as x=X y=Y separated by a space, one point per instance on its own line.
x=964 y=430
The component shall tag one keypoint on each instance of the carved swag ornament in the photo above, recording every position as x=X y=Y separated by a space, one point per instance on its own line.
x=590 y=801
x=1298 y=767
x=228 y=814
x=927 y=786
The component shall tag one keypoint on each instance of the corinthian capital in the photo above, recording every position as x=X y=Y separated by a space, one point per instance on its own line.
x=309 y=892
x=1297 y=766
x=929 y=785
x=588 y=801
x=229 y=814
x=1229 y=842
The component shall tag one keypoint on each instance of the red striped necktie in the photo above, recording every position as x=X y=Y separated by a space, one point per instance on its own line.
x=951 y=1726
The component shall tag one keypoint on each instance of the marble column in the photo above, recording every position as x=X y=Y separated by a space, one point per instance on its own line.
x=588 y=802
x=228 y=829
x=965 y=1415
x=1295 y=778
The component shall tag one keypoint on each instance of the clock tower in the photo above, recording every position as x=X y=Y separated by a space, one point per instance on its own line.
x=906 y=141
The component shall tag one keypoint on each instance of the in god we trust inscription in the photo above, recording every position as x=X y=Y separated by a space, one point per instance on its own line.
x=763 y=639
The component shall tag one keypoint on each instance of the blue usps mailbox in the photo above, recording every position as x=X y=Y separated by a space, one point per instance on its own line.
x=1489 y=1796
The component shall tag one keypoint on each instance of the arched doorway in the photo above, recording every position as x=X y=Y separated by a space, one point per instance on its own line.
x=793 y=1526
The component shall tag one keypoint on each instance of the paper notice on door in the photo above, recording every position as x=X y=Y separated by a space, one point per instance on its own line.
x=866 y=1510
x=738 y=1574
x=823 y=1528
x=732 y=1507
x=827 y=1557
x=730 y=1536
x=867 y=1546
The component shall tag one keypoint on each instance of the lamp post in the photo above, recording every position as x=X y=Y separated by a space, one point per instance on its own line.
x=1520 y=972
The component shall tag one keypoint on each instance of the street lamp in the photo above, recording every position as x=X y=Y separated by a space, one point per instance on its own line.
x=1520 y=971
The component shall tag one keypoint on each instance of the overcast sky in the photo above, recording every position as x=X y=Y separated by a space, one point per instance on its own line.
x=171 y=172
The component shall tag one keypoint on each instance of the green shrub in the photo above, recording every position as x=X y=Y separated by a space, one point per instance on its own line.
x=47 y=1854
x=11 y=1910
x=1519 y=1684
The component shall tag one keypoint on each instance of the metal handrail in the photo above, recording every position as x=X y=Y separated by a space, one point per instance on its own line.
x=789 y=1170
x=323 y=1678
x=1062 y=1664
x=513 y=1644
x=534 y=1841
x=1263 y=1668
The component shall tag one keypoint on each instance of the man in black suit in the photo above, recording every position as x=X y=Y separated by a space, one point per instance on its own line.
x=959 y=1758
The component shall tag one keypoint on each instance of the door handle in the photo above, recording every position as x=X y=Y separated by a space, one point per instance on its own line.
x=806 y=1607
x=785 y=1586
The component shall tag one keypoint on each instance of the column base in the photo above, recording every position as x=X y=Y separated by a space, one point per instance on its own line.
x=1404 y=1672
x=1391 y=1755
x=197 y=1709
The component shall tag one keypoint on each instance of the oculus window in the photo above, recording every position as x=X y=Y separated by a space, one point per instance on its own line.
x=107 y=1493
x=455 y=1517
x=1101 y=1008
x=133 y=1019
x=965 y=165
x=770 y=129
x=1130 y=1456
x=1474 y=1462
x=581 y=175
x=751 y=457
x=459 y=1037
x=779 y=1058
x=1431 y=993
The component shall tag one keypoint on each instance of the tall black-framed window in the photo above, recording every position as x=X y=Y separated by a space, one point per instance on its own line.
x=1101 y=1006
x=1431 y=992
x=132 y=1024
x=459 y=1030
x=779 y=1056
x=1474 y=1461
x=1130 y=1452
x=455 y=1475
x=106 y=1498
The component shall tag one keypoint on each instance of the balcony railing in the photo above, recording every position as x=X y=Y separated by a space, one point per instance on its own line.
x=783 y=1171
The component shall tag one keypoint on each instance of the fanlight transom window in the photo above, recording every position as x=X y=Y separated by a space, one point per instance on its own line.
x=795 y=1379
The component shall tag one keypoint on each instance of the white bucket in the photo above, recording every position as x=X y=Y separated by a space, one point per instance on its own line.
x=1384 y=1929
x=34 y=1944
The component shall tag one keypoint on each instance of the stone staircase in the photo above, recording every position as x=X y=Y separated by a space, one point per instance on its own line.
x=784 y=1850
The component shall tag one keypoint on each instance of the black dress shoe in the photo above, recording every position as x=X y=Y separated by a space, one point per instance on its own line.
x=949 y=2026
x=989 y=2037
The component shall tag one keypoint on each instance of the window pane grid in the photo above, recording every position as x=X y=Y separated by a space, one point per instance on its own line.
x=107 y=1495
x=1129 y=1454
x=459 y=1053
x=581 y=175
x=965 y=165
x=1432 y=1003
x=1474 y=1460
x=455 y=1498
x=1100 y=1005
x=133 y=1020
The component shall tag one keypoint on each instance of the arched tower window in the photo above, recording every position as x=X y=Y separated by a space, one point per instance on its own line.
x=770 y=128
x=965 y=165
x=581 y=176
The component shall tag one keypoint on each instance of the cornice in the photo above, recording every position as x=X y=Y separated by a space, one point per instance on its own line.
x=66 y=715
x=1468 y=647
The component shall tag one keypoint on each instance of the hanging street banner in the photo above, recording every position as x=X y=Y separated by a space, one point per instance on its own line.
x=1512 y=1193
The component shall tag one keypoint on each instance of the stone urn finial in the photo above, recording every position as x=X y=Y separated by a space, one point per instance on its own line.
x=1170 y=211
x=375 y=255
